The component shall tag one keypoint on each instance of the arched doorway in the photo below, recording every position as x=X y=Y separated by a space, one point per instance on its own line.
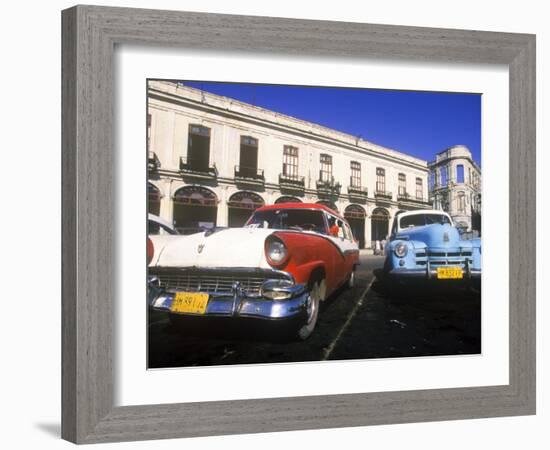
x=328 y=204
x=288 y=199
x=380 y=219
x=153 y=199
x=355 y=215
x=195 y=208
x=241 y=205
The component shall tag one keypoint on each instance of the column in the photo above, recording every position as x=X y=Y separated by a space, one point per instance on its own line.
x=166 y=203
x=222 y=218
x=368 y=227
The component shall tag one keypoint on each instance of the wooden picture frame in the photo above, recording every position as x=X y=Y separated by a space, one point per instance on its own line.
x=90 y=34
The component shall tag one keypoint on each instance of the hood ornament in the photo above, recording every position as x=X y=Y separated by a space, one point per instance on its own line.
x=200 y=248
x=445 y=237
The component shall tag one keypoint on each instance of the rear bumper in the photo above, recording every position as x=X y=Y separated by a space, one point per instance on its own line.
x=237 y=304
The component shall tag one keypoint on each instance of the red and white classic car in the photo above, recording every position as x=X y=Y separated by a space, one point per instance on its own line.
x=286 y=260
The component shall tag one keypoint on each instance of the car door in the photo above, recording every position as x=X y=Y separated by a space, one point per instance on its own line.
x=345 y=251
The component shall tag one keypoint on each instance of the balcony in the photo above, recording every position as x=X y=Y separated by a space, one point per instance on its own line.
x=358 y=192
x=328 y=189
x=292 y=183
x=407 y=198
x=250 y=176
x=383 y=195
x=195 y=168
x=153 y=163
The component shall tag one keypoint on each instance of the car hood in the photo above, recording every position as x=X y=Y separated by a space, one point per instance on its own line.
x=435 y=235
x=229 y=247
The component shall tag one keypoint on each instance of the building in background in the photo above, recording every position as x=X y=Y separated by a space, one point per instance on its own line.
x=455 y=187
x=213 y=160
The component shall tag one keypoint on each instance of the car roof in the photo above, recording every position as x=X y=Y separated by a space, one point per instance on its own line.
x=300 y=205
x=422 y=211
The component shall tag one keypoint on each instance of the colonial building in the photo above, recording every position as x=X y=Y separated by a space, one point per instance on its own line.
x=455 y=187
x=212 y=160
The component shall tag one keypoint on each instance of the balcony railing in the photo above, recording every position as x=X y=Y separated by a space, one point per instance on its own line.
x=355 y=191
x=293 y=183
x=406 y=197
x=249 y=175
x=403 y=196
x=383 y=195
x=325 y=187
x=194 y=167
x=153 y=163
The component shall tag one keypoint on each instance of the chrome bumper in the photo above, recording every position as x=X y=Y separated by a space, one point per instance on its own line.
x=431 y=274
x=238 y=304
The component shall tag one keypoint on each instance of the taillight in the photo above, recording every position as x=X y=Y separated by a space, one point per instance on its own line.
x=150 y=250
x=276 y=251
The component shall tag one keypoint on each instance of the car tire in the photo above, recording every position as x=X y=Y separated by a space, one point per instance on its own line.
x=312 y=310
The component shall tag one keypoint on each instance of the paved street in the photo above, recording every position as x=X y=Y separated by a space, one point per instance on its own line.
x=363 y=322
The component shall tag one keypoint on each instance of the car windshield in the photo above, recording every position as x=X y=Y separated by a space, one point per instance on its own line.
x=289 y=219
x=418 y=220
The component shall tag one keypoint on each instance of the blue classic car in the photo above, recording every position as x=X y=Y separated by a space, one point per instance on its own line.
x=425 y=245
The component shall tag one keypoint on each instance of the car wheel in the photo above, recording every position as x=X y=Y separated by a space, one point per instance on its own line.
x=312 y=311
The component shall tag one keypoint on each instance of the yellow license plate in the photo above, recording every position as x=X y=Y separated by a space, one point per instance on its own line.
x=189 y=303
x=449 y=273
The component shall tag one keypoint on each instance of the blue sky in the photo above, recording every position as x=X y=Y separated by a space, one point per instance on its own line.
x=417 y=123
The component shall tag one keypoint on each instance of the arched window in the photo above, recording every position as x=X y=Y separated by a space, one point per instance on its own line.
x=241 y=205
x=195 y=208
x=380 y=219
x=356 y=215
x=328 y=204
x=355 y=212
x=288 y=199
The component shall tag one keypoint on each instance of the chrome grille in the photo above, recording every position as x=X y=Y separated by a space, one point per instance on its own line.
x=441 y=258
x=219 y=282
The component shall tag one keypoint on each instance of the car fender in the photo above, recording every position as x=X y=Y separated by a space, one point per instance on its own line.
x=392 y=261
x=302 y=273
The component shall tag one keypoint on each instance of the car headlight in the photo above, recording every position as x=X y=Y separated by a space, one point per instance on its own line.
x=276 y=252
x=401 y=250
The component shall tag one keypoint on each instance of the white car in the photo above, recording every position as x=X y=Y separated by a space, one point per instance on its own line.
x=286 y=260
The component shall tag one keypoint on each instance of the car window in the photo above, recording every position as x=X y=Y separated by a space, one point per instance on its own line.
x=418 y=220
x=348 y=233
x=289 y=219
x=341 y=229
x=437 y=218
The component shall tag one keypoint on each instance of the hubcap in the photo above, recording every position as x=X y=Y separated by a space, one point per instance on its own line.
x=312 y=304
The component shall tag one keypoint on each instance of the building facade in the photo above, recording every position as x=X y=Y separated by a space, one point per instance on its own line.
x=213 y=160
x=455 y=187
